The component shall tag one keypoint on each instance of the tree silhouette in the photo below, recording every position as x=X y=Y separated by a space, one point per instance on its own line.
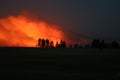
x=51 y=44
x=95 y=44
x=57 y=45
x=114 y=44
x=47 y=43
x=39 y=42
x=62 y=44
x=43 y=43
x=76 y=46
x=103 y=45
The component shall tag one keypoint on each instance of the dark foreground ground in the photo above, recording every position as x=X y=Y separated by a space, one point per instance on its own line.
x=59 y=64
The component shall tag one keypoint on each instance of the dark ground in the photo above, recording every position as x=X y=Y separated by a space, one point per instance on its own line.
x=59 y=64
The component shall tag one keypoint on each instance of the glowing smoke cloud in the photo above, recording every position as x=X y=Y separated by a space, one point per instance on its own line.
x=22 y=31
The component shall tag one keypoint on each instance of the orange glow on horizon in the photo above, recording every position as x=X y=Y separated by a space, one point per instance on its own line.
x=22 y=31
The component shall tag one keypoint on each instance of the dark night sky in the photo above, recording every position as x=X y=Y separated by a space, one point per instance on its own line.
x=93 y=18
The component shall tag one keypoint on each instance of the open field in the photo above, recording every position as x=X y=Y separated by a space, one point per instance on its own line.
x=59 y=64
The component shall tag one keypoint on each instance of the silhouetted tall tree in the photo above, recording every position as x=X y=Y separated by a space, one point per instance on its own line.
x=63 y=44
x=60 y=45
x=39 y=42
x=43 y=43
x=57 y=45
x=47 y=43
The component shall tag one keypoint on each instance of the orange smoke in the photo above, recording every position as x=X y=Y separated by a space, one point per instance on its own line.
x=22 y=31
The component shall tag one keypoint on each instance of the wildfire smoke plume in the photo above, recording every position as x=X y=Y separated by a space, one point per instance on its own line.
x=23 y=31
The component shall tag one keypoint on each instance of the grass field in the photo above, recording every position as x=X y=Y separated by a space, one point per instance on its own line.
x=59 y=64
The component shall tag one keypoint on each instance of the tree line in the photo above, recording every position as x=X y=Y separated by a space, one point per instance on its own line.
x=103 y=44
x=46 y=43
